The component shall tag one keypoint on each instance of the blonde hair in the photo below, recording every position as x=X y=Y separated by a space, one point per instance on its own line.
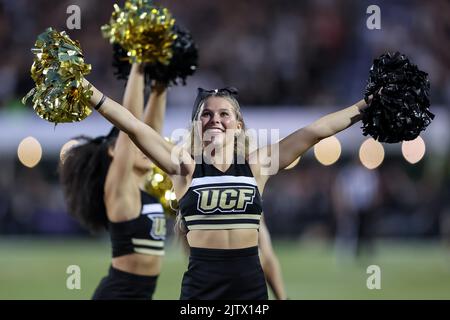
x=193 y=143
x=241 y=142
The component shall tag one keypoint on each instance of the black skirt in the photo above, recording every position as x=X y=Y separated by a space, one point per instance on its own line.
x=224 y=274
x=121 y=285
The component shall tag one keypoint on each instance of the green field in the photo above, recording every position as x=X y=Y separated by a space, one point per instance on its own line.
x=35 y=268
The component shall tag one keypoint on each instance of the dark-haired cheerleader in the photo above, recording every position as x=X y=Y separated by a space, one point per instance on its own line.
x=103 y=180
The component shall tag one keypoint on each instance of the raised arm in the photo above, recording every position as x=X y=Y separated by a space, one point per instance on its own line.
x=147 y=139
x=120 y=180
x=133 y=98
x=300 y=141
x=297 y=143
x=123 y=160
x=156 y=107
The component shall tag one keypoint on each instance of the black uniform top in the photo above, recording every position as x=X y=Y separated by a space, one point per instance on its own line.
x=144 y=234
x=221 y=200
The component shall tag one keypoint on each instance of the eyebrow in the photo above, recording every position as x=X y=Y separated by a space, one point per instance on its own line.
x=221 y=109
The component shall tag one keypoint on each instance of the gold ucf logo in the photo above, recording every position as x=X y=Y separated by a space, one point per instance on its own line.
x=158 y=230
x=224 y=199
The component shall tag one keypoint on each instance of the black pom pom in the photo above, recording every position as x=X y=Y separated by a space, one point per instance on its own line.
x=400 y=111
x=184 y=61
x=120 y=62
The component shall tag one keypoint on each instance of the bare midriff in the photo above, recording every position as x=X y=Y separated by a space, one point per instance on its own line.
x=223 y=239
x=140 y=264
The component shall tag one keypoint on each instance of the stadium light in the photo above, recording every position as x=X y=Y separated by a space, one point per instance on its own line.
x=66 y=147
x=328 y=151
x=371 y=153
x=414 y=150
x=293 y=164
x=29 y=152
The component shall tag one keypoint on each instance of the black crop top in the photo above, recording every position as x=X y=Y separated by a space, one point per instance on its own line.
x=144 y=234
x=221 y=200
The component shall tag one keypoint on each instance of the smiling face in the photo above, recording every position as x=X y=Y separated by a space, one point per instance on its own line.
x=217 y=121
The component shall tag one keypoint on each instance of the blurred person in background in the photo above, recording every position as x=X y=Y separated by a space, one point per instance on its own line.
x=354 y=196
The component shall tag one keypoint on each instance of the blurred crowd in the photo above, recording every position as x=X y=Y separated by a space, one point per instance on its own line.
x=298 y=53
x=345 y=201
x=276 y=52
x=354 y=206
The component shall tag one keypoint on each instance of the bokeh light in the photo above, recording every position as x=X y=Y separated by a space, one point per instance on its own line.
x=328 y=151
x=293 y=164
x=170 y=195
x=371 y=153
x=159 y=177
x=414 y=150
x=66 y=147
x=29 y=152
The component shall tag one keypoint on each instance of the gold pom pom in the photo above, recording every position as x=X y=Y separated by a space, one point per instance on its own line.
x=159 y=185
x=143 y=30
x=58 y=69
